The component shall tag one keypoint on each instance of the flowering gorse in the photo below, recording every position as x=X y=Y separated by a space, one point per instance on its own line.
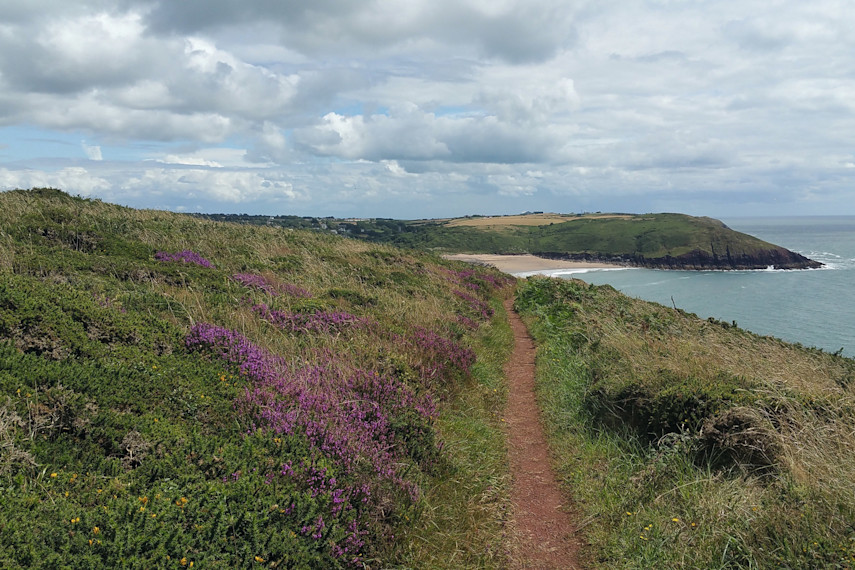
x=185 y=256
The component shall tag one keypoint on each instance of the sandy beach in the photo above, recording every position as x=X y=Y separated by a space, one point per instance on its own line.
x=528 y=264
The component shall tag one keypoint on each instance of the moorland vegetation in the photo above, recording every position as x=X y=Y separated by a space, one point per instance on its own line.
x=178 y=392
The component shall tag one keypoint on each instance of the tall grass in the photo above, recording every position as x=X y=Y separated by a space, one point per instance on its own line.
x=692 y=443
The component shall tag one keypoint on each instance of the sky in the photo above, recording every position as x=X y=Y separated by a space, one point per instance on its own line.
x=433 y=108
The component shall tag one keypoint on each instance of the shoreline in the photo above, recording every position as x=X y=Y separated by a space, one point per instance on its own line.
x=523 y=265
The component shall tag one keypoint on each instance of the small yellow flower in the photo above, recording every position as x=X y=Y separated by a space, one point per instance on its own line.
x=53 y=475
x=675 y=519
x=183 y=561
x=95 y=530
x=259 y=559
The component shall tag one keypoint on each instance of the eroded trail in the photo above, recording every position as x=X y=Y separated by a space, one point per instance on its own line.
x=543 y=529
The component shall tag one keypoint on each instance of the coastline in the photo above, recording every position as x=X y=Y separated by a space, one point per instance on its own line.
x=523 y=265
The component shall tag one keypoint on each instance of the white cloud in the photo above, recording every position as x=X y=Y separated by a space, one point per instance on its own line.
x=345 y=104
x=93 y=152
x=75 y=180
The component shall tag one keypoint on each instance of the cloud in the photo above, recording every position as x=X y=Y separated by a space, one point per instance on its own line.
x=511 y=30
x=75 y=179
x=415 y=106
x=93 y=152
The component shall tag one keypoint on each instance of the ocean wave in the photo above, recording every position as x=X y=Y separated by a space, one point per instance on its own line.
x=567 y=271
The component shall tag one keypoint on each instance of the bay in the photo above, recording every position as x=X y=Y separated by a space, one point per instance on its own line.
x=812 y=307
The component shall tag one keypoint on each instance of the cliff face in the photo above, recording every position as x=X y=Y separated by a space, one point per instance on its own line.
x=777 y=257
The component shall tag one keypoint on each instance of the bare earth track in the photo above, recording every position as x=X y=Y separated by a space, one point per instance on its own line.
x=544 y=532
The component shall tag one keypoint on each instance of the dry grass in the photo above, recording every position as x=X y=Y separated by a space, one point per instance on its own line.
x=758 y=474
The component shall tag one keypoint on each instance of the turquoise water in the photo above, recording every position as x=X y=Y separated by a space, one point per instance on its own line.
x=812 y=307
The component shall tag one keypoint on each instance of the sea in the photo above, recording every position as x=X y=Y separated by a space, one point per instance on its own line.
x=813 y=307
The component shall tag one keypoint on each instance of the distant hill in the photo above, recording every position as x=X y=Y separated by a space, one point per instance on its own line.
x=671 y=241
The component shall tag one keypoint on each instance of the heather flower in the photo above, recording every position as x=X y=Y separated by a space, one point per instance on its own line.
x=320 y=322
x=439 y=355
x=271 y=288
x=185 y=256
x=476 y=305
x=471 y=277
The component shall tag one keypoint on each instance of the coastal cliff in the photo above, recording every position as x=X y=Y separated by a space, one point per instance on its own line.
x=775 y=258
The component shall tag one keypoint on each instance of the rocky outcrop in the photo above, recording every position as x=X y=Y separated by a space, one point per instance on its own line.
x=777 y=257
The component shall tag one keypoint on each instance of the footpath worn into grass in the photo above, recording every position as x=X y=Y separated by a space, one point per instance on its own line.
x=690 y=443
x=543 y=530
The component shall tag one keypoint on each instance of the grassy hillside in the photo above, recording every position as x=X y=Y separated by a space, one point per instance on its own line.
x=690 y=442
x=651 y=240
x=178 y=392
x=656 y=240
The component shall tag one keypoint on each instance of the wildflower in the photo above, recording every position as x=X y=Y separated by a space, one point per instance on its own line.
x=183 y=561
x=95 y=530
x=675 y=519
x=259 y=559
x=53 y=475
x=185 y=256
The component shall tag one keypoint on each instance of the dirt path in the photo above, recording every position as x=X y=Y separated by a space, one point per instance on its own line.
x=543 y=529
